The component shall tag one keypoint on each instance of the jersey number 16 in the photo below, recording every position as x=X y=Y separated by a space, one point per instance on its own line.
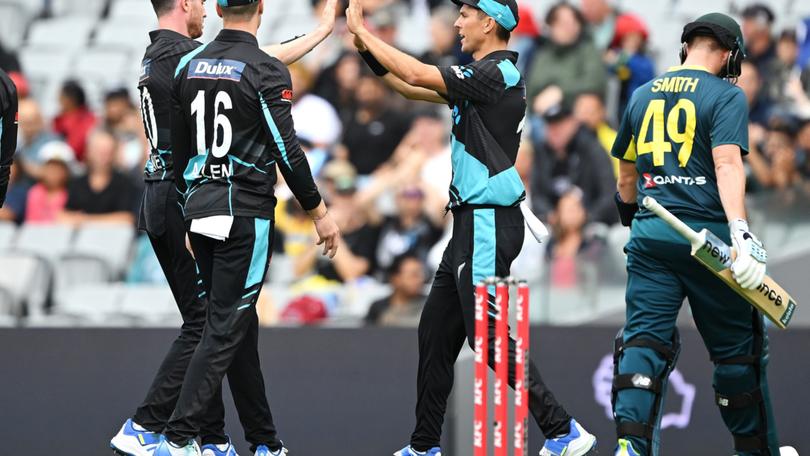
x=664 y=134
x=222 y=99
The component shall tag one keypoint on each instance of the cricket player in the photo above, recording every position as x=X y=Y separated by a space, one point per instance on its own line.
x=180 y=21
x=681 y=142
x=231 y=128
x=488 y=103
x=8 y=131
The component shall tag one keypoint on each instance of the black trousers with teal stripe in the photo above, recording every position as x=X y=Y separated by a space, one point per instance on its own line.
x=232 y=272
x=162 y=220
x=485 y=242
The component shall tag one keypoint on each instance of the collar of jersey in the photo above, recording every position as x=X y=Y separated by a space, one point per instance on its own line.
x=231 y=35
x=166 y=33
x=502 y=53
x=688 y=67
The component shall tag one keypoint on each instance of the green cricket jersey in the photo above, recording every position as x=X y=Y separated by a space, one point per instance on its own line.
x=669 y=129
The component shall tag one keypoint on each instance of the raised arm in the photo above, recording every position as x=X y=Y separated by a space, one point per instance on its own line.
x=292 y=50
x=408 y=69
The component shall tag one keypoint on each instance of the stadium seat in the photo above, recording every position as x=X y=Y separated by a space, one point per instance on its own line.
x=91 y=305
x=7 y=232
x=91 y=8
x=150 y=305
x=48 y=241
x=64 y=33
x=18 y=280
x=100 y=253
x=123 y=36
x=133 y=9
x=13 y=22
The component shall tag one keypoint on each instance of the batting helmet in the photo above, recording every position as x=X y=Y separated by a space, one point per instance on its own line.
x=726 y=31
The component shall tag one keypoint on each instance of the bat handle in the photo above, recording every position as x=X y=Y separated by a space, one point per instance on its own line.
x=656 y=208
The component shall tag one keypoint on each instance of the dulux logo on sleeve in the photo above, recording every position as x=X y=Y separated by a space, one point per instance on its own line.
x=216 y=69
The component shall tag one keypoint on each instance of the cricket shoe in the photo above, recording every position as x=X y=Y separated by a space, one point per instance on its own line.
x=578 y=442
x=625 y=448
x=262 y=450
x=167 y=448
x=133 y=440
x=408 y=451
x=225 y=449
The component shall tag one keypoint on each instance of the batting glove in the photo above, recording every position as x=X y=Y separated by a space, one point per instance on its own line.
x=748 y=268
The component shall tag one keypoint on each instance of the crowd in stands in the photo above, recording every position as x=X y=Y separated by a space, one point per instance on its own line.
x=383 y=163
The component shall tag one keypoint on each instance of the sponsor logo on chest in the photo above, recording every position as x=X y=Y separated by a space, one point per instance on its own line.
x=216 y=69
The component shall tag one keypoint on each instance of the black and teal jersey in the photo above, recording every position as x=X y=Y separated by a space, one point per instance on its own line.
x=488 y=100
x=669 y=130
x=231 y=127
x=159 y=63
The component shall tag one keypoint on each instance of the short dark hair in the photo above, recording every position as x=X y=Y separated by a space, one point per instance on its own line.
x=118 y=94
x=399 y=261
x=551 y=16
x=712 y=41
x=241 y=12
x=73 y=91
x=162 y=7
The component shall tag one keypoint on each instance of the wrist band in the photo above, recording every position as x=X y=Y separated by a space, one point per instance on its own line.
x=373 y=63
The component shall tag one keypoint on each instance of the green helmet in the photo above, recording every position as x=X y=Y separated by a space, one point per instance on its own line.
x=726 y=31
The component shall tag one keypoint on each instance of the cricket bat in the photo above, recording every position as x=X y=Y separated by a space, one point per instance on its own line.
x=710 y=251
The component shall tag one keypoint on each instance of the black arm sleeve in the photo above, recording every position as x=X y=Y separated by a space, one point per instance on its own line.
x=181 y=141
x=8 y=132
x=276 y=110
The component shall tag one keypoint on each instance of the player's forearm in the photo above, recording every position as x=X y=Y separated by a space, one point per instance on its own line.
x=728 y=167
x=403 y=66
x=626 y=183
x=291 y=51
x=410 y=92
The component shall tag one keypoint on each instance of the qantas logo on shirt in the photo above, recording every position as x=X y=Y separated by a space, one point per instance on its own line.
x=216 y=69
x=651 y=181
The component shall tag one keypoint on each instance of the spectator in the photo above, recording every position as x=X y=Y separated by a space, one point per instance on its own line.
x=409 y=229
x=338 y=83
x=103 y=194
x=47 y=198
x=601 y=19
x=355 y=257
x=13 y=210
x=803 y=149
x=775 y=166
x=445 y=49
x=568 y=60
x=757 y=24
x=572 y=156
x=759 y=110
x=122 y=117
x=34 y=137
x=403 y=307
x=383 y=21
x=628 y=58
x=372 y=135
x=75 y=121
x=782 y=68
x=316 y=121
x=569 y=243
x=589 y=110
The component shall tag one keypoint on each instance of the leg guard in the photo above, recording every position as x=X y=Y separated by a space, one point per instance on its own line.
x=747 y=414
x=643 y=431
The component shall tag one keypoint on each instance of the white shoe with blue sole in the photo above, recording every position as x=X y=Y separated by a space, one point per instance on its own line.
x=262 y=450
x=226 y=449
x=167 y=448
x=408 y=451
x=578 y=442
x=130 y=441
